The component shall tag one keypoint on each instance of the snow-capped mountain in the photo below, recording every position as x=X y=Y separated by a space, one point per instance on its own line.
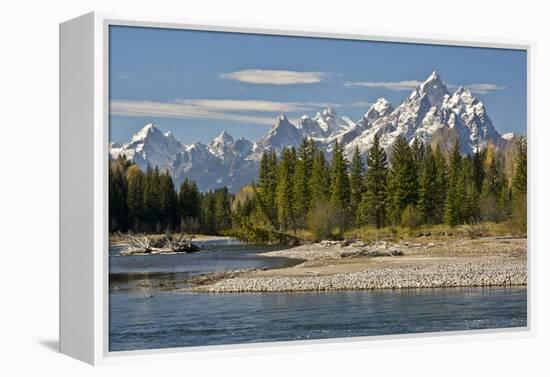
x=429 y=112
x=149 y=146
x=281 y=135
x=222 y=162
x=379 y=109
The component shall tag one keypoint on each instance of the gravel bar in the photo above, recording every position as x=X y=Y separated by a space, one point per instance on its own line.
x=512 y=272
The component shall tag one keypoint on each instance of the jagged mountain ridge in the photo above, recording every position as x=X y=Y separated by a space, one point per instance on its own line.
x=430 y=111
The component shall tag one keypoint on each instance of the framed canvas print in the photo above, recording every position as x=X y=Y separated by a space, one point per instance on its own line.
x=225 y=187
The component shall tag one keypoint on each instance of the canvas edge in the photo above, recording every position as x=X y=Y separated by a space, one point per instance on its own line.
x=76 y=191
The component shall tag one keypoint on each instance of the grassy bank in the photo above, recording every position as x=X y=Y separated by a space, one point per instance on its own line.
x=435 y=232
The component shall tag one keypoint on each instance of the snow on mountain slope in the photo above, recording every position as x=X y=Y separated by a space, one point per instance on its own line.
x=508 y=136
x=223 y=162
x=281 y=135
x=150 y=146
x=430 y=111
x=379 y=109
x=331 y=123
x=466 y=114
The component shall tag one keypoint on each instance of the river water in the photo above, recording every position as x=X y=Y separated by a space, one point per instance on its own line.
x=145 y=315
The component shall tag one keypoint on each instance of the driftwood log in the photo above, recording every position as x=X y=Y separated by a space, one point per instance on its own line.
x=166 y=244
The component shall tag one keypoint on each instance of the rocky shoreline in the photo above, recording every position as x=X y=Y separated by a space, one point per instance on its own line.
x=341 y=266
x=209 y=278
x=434 y=276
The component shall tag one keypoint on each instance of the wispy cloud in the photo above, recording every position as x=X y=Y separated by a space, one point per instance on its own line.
x=391 y=85
x=240 y=111
x=243 y=105
x=360 y=104
x=275 y=77
x=179 y=110
x=479 y=88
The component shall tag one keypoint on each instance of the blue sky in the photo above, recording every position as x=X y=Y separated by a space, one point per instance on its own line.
x=197 y=84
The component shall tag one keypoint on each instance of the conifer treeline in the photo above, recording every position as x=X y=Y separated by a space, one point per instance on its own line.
x=148 y=202
x=415 y=185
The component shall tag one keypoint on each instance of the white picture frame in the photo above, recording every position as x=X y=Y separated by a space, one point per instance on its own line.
x=84 y=140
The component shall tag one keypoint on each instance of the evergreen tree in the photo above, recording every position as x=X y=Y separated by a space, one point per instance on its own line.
x=519 y=181
x=519 y=187
x=168 y=202
x=495 y=179
x=135 y=202
x=118 y=191
x=285 y=194
x=266 y=189
x=418 y=152
x=442 y=185
x=222 y=209
x=357 y=170
x=243 y=204
x=429 y=192
x=455 y=197
x=209 y=213
x=494 y=190
x=189 y=200
x=151 y=199
x=402 y=180
x=302 y=176
x=189 y=206
x=472 y=211
x=339 y=182
x=319 y=181
x=372 y=209
x=478 y=170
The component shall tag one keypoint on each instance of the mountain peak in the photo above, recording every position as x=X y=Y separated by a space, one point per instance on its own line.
x=282 y=118
x=434 y=76
x=433 y=88
x=463 y=96
x=329 y=112
x=382 y=101
x=149 y=127
x=434 y=80
x=147 y=130
x=224 y=138
x=282 y=122
x=463 y=92
x=222 y=144
x=326 y=115
x=380 y=108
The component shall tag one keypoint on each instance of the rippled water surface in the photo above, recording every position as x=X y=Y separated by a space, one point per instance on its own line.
x=145 y=316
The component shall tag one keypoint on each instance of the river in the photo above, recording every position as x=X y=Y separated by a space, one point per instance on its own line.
x=144 y=313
